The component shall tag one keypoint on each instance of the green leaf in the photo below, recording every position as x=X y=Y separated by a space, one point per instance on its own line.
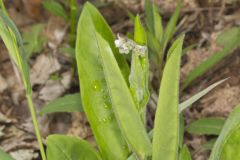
x=123 y=104
x=184 y=105
x=166 y=137
x=55 y=8
x=33 y=41
x=209 y=144
x=104 y=29
x=227 y=145
x=13 y=42
x=148 y=8
x=5 y=156
x=229 y=39
x=153 y=20
x=158 y=28
x=96 y=99
x=68 y=103
x=181 y=130
x=155 y=35
x=171 y=25
x=209 y=126
x=184 y=153
x=139 y=32
x=139 y=74
x=69 y=148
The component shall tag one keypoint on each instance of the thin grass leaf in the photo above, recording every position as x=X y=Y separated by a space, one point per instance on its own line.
x=158 y=28
x=181 y=130
x=149 y=20
x=96 y=99
x=170 y=28
x=139 y=74
x=166 y=137
x=184 y=105
x=230 y=39
x=60 y=147
x=155 y=34
x=13 y=42
x=5 y=156
x=185 y=153
x=68 y=103
x=227 y=145
x=55 y=8
x=208 y=126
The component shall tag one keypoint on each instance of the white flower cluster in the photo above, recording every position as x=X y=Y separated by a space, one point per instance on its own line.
x=127 y=45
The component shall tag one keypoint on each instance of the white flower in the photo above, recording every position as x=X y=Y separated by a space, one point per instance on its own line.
x=140 y=50
x=127 y=45
x=120 y=41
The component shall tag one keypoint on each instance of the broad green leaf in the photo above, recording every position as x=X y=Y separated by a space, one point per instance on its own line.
x=139 y=74
x=171 y=25
x=104 y=29
x=95 y=94
x=33 y=41
x=208 y=126
x=60 y=147
x=229 y=39
x=184 y=153
x=68 y=103
x=55 y=8
x=166 y=123
x=123 y=105
x=209 y=144
x=184 y=105
x=228 y=143
x=5 y=156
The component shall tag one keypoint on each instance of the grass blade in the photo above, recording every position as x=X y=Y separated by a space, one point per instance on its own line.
x=184 y=105
x=166 y=137
x=170 y=28
x=229 y=40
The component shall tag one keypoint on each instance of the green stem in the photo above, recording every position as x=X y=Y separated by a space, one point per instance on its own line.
x=35 y=124
x=73 y=9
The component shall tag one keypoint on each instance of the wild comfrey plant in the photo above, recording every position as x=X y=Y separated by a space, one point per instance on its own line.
x=114 y=97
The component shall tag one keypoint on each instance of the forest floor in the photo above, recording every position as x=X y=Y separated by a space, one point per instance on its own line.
x=53 y=73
